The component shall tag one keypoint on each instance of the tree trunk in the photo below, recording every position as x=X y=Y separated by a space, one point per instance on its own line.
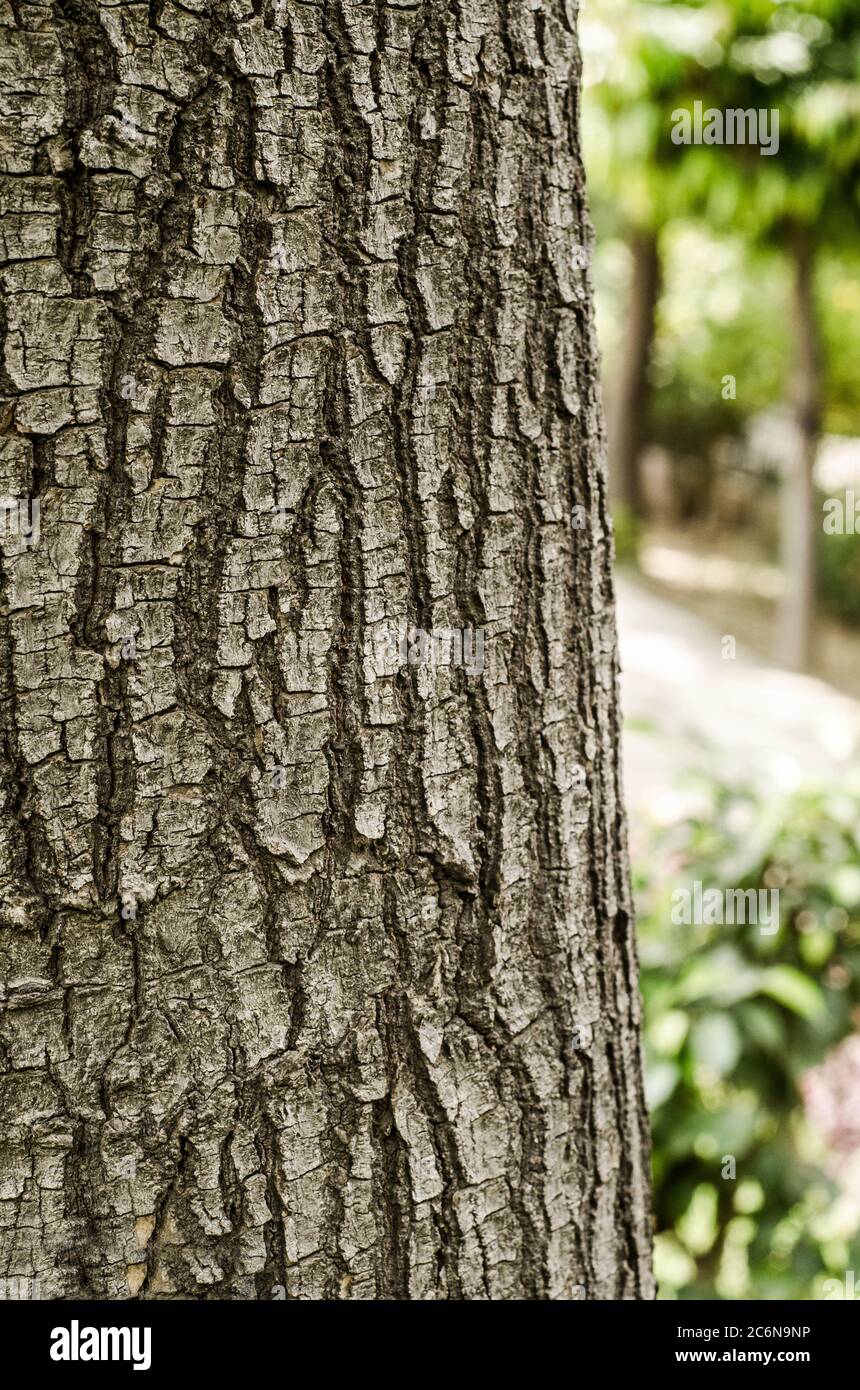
x=799 y=522
x=318 y=959
x=629 y=400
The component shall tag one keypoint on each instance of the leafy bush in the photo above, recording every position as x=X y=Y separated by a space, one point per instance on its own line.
x=733 y=1020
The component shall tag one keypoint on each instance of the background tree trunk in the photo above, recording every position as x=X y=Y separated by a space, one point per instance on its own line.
x=629 y=400
x=799 y=519
x=318 y=968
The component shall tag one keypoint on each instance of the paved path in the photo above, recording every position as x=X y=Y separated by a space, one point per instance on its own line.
x=686 y=705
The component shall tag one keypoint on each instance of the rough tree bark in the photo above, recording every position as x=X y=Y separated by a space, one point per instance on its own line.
x=318 y=968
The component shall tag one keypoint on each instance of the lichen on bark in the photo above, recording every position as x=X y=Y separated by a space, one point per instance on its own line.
x=317 y=969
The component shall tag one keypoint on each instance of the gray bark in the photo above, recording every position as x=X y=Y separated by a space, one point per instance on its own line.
x=317 y=967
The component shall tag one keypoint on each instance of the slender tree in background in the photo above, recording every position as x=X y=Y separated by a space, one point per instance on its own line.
x=638 y=68
x=318 y=968
x=800 y=523
x=820 y=208
x=621 y=133
x=629 y=394
x=801 y=60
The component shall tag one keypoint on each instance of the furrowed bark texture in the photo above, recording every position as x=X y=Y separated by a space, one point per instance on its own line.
x=318 y=968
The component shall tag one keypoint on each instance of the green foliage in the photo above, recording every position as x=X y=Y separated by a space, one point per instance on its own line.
x=654 y=57
x=839 y=300
x=726 y=304
x=733 y=1019
x=721 y=313
x=723 y=310
x=627 y=535
x=839 y=575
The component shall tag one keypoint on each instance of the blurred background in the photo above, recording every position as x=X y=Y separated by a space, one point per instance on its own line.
x=728 y=308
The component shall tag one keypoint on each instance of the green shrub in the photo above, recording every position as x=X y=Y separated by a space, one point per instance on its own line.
x=733 y=1019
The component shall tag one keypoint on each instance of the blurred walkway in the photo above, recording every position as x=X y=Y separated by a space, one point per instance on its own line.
x=686 y=705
